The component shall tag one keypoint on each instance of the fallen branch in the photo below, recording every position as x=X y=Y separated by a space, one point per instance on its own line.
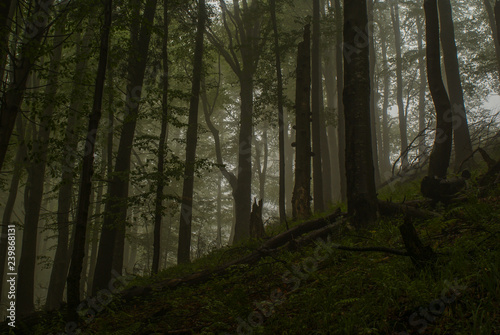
x=391 y=208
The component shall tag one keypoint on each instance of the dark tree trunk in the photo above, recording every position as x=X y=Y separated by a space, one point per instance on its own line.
x=35 y=185
x=116 y=206
x=385 y=162
x=319 y=205
x=340 y=90
x=184 y=247
x=60 y=268
x=82 y=214
x=373 y=95
x=494 y=22
x=399 y=79
x=361 y=195
x=161 y=146
x=256 y=223
x=440 y=156
x=461 y=136
x=421 y=92
x=281 y=125
x=301 y=200
x=7 y=10
x=13 y=97
x=11 y=200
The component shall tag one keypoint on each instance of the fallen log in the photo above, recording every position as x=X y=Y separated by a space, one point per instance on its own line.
x=391 y=208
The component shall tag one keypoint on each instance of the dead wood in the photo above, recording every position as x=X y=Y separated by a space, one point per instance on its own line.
x=421 y=256
x=391 y=208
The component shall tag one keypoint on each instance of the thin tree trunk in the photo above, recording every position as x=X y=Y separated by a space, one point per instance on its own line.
x=77 y=253
x=281 y=125
x=13 y=97
x=421 y=94
x=373 y=95
x=399 y=80
x=361 y=194
x=340 y=98
x=116 y=206
x=11 y=200
x=184 y=247
x=60 y=268
x=161 y=146
x=319 y=205
x=385 y=160
x=461 y=136
x=301 y=200
x=219 y=212
x=440 y=156
x=495 y=29
x=35 y=185
x=7 y=11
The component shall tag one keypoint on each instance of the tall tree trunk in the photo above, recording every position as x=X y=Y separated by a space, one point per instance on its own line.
x=116 y=206
x=281 y=125
x=340 y=98
x=7 y=10
x=385 y=162
x=439 y=160
x=301 y=201
x=11 y=200
x=13 y=97
x=421 y=92
x=35 y=184
x=60 y=268
x=399 y=80
x=319 y=205
x=461 y=136
x=161 y=146
x=373 y=95
x=361 y=195
x=219 y=211
x=494 y=26
x=77 y=254
x=184 y=246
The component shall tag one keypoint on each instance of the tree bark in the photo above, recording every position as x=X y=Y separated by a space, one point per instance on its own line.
x=161 y=146
x=13 y=97
x=421 y=93
x=301 y=200
x=319 y=205
x=11 y=200
x=82 y=214
x=60 y=268
x=184 y=247
x=373 y=95
x=35 y=184
x=386 y=151
x=461 y=136
x=340 y=90
x=116 y=206
x=281 y=125
x=7 y=11
x=399 y=80
x=494 y=20
x=440 y=156
x=361 y=194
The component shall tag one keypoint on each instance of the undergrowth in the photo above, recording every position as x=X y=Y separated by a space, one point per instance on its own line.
x=321 y=290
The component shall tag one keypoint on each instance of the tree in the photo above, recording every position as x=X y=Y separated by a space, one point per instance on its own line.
x=301 y=200
x=30 y=51
x=116 y=206
x=75 y=270
x=184 y=247
x=281 y=125
x=439 y=159
x=399 y=79
x=319 y=205
x=493 y=20
x=161 y=145
x=461 y=136
x=361 y=193
x=247 y=22
x=35 y=183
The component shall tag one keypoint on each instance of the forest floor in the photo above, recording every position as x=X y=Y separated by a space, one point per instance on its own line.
x=318 y=289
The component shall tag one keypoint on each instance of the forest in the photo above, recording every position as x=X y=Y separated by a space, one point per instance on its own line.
x=250 y=166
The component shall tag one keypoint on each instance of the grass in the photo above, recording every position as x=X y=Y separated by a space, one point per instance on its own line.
x=318 y=290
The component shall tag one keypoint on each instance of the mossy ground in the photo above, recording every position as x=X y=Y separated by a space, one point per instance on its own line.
x=320 y=291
